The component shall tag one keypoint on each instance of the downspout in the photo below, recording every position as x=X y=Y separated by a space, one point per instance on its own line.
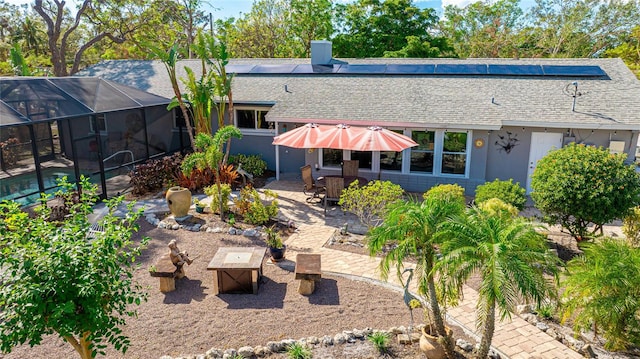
x=277 y=155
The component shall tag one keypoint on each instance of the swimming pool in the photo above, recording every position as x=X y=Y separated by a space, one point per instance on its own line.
x=24 y=188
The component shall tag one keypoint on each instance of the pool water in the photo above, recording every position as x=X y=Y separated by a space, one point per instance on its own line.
x=24 y=188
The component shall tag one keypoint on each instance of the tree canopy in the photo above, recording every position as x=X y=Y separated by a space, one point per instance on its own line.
x=60 y=39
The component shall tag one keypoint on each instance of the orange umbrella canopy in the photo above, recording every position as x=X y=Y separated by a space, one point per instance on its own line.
x=344 y=137
x=307 y=136
x=376 y=138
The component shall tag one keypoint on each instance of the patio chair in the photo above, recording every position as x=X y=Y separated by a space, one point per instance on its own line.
x=311 y=189
x=350 y=168
x=335 y=186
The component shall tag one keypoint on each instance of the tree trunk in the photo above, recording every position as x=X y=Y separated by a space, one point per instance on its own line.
x=489 y=327
x=82 y=346
x=437 y=315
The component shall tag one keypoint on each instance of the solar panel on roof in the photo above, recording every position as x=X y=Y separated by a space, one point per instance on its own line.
x=461 y=69
x=517 y=70
x=362 y=69
x=273 y=69
x=399 y=69
x=239 y=69
x=316 y=69
x=566 y=70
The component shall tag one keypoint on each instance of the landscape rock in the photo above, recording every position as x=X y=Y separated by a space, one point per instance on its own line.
x=573 y=343
x=214 y=353
x=542 y=326
x=464 y=345
x=313 y=340
x=246 y=352
x=275 y=347
x=175 y=227
x=229 y=353
x=261 y=351
x=250 y=233
x=359 y=334
x=340 y=338
x=530 y=318
x=327 y=340
x=587 y=351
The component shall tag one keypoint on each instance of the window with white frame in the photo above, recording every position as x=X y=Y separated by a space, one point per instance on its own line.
x=422 y=156
x=454 y=153
x=252 y=119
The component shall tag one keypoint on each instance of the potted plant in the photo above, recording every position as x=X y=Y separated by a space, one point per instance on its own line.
x=274 y=243
x=199 y=205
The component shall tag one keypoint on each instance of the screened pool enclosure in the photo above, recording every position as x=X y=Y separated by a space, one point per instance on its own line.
x=72 y=126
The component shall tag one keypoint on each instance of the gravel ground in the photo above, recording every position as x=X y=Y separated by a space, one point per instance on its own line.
x=191 y=319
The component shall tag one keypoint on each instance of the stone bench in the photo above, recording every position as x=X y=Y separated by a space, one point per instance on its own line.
x=166 y=271
x=308 y=271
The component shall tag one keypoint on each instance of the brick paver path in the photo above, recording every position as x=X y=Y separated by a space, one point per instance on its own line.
x=513 y=339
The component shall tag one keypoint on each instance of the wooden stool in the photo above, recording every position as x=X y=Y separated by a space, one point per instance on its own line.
x=308 y=271
x=166 y=271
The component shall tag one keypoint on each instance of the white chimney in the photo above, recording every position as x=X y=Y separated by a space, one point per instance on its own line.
x=320 y=52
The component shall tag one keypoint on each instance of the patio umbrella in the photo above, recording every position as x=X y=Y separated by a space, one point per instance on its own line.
x=344 y=137
x=376 y=138
x=307 y=136
x=341 y=137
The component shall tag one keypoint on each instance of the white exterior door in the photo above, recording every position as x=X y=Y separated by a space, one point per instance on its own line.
x=541 y=143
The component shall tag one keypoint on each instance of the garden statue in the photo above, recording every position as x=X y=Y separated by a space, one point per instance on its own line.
x=178 y=258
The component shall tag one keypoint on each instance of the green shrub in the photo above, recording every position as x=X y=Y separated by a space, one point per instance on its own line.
x=212 y=191
x=631 y=227
x=577 y=186
x=507 y=191
x=253 y=164
x=497 y=207
x=603 y=291
x=250 y=205
x=298 y=351
x=447 y=192
x=369 y=202
x=154 y=175
x=380 y=341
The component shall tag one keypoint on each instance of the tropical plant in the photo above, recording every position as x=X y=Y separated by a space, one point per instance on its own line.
x=380 y=341
x=511 y=258
x=65 y=278
x=631 y=227
x=210 y=155
x=507 y=191
x=225 y=190
x=298 y=351
x=577 y=186
x=273 y=238
x=369 y=202
x=496 y=207
x=412 y=227
x=602 y=292
x=250 y=205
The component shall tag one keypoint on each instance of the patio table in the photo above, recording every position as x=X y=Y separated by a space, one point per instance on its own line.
x=347 y=180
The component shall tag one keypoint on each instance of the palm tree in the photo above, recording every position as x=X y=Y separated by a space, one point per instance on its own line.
x=508 y=254
x=412 y=227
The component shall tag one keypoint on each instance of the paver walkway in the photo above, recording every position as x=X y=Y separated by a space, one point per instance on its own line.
x=513 y=339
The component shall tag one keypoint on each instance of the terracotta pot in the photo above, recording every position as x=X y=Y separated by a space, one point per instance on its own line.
x=179 y=201
x=429 y=345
